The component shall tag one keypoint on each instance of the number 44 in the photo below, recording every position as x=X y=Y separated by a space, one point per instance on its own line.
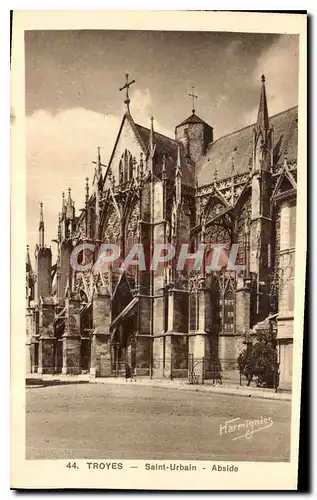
x=71 y=465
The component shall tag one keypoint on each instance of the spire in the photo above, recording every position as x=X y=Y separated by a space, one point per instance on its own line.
x=87 y=190
x=262 y=136
x=70 y=208
x=28 y=260
x=41 y=227
x=59 y=228
x=263 y=115
x=151 y=149
x=151 y=139
x=63 y=204
x=178 y=177
x=98 y=173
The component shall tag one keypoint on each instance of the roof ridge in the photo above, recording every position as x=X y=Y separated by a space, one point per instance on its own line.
x=155 y=132
x=252 y=124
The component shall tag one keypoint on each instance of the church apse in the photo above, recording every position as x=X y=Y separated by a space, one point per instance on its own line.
x=156 y=190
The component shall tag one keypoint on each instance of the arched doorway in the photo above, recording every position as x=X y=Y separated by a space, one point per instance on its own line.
x=123 y=347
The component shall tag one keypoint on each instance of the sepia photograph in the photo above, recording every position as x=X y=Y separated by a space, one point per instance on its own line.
x=161 y=185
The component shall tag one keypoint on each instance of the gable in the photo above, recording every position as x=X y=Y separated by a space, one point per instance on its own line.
x=128 y=141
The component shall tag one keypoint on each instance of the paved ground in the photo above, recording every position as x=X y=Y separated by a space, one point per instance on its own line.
x=137 y=422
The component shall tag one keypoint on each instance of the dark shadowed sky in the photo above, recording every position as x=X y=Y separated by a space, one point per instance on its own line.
x=73 y=101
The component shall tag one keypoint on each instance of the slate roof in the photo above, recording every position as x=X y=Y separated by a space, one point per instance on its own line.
x=219 y=154
x=163 y=143
x=167 y=145
x=192 y=119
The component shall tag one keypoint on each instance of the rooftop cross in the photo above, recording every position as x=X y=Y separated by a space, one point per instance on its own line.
x=193 y=96
x=126 y=86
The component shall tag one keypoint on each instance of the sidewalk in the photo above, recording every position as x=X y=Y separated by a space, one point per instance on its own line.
x=37 y=380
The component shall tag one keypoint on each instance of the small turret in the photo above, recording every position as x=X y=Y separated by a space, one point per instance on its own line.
x=70 y=206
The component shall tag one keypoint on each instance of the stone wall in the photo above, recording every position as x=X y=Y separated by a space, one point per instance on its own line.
x=100 y=364
x=195 y=138
x=43 y=269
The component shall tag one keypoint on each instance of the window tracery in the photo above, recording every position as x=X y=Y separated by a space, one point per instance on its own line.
x=242 y=236
x=125 y=167
x=132 y=229
x=225 y=302
x=112 y=231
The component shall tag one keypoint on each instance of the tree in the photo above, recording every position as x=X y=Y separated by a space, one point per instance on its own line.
x=259 y=359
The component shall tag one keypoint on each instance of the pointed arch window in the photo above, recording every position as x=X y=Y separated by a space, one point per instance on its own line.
x=242 y=236
x=225 y=305
x=125 y=167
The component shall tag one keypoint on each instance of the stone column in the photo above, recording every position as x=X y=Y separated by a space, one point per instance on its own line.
x=201 y=342
x=158 y=328
x=176 y=339
x=29 y=335
x=144 y=336
x=47 y=339
x=100 y=365
x=243 y=307
x=72 y=337
x=285 y=319
x=34 y=355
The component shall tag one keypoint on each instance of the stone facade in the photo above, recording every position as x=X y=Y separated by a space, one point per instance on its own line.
x=162 y=322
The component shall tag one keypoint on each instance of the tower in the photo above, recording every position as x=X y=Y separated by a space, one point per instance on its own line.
x=67 y=224
x=194 y=134
x=260 y=228
x=43 y=260
x=44 y=301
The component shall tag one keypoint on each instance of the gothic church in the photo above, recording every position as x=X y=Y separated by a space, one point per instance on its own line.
x=240 y=188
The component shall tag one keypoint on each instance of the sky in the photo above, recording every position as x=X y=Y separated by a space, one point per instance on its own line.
x=73 y=103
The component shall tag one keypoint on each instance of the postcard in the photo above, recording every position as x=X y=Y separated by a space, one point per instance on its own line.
x=158 y=249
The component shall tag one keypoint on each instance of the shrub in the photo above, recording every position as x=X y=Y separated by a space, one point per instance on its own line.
x=259 y=360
